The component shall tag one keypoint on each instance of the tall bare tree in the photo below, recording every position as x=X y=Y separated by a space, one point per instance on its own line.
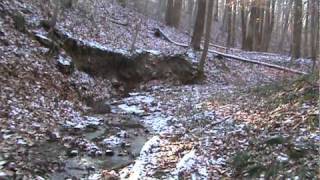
x=169 y=12
x=315 y=31
x=306 y=31
x=244 y=17
x=285 y=23
x=216 y=10
x=297 y=30
x=173 y=13
x=177 y=14
x=190 y=11
x=228 y=12
x=268 y=24
x=199 y=25
x=207 y=37
x=252 y=30
x=234 y=22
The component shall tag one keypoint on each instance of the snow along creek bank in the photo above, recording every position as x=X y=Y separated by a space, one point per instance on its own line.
x=154 y=134
x=180 y=130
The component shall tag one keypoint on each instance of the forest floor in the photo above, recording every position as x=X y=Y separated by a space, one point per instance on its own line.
x=243 y=120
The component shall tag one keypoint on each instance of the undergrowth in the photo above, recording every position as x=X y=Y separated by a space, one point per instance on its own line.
x=281 y=157
x=281 y=108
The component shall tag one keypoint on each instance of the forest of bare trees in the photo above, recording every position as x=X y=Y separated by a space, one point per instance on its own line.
x=283 y=26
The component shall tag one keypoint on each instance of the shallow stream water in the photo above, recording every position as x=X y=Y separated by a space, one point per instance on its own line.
x=116 y=142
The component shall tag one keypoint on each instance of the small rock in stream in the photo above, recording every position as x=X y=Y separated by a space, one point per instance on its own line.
x=39 y=178
x=122 y=154
x=73 y=153
x=53 y=136
x=12 y=166
x=146 y=131
x=21 y=142
x=94 y=153
x=122 y=134
x=109 y=152
x=98 y=153
x=91 y=168
x=124 y=145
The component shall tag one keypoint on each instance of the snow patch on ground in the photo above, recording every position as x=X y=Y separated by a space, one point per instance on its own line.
x=190 y=163
x=131 y=109
x=186 y=162
x=157 y=122
x=147 y=157
x=80 y=122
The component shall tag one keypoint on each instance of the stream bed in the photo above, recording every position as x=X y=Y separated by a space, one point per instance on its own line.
x=103 y=142
x=139 y=131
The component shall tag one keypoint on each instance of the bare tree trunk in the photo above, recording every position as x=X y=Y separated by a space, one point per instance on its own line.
x=306 y=31
x=207 y=38
x=244 y=16
x=177 y=12
x=279 y=11
x=297 y=30
x=173 y=13
x=169 y=13
x=225 y=17
x=146 y=5
x=315 y=31
x=268 y=24
x=272 y=22
x=228 y=14
x=190 y=14
x=161 y=9
x=253 y=26
x=262 y=9
x=286 y=24
x=199 y=25
x=257 y=40
x=216 y=10
x=234 y=23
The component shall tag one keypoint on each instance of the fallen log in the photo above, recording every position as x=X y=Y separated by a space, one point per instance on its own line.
x=162 y=34
x=258 y=62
